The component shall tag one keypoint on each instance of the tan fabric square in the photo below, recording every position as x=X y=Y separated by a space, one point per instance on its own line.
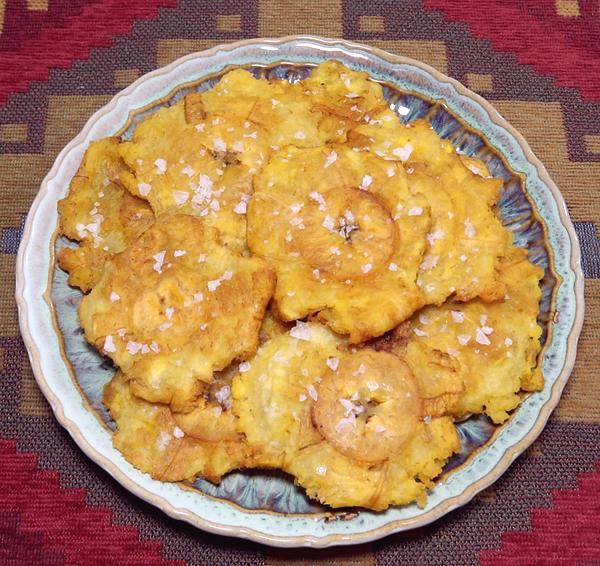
x=9 y=324
x=428 y=51
x=480 y=82
x=13 y=132
x=543 y=126
x=66 y=116
x=288 y=17
x=167 y=50
x=487 y=496
x=534 y=451
x=567 y=8
x=33 y=403
x=37 y=5
x=229 y=22
x=124 y=77
x=360 y=555
x=592 y=143
x=371 y=24
x=580 y=401
x=2 y=10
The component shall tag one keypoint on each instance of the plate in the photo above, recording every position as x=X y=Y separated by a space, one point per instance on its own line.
x=267 y=507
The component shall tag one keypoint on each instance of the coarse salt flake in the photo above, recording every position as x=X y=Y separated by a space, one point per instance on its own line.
x=403 y=152
x=161 y=165
x=481 y=338
x=159 y=259
x=180 y=197
x=366 y=182
x=109 y=344
x=301 y=331
x=144 y=189
x=331 y=158
x=458 y=317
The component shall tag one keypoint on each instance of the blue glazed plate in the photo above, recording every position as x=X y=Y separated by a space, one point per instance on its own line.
x=266 y=506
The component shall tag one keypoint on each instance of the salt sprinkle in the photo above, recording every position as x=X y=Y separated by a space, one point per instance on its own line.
x=403 y=152
x=159 y=259
x=301 y=331
x=219 y=145
x=179 y=253
x=181 y=197
x=331 y=158
x=333 y=363
x=469 y=228
x=366 y=182
x=109 y=345
x=178 y=433
x=420 y=332
x=188 y=171
x=458 y=316
x=114 y=296
x=161 y=165
x=393 y=267
x=144 y=188
x=463 y=339
x=415 y=211
x=244 y=367
x=481 y=338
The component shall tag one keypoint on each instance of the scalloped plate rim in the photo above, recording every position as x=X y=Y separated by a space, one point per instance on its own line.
x=241 y=531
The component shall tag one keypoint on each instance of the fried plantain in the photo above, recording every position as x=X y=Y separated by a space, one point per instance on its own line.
x=369 y=406
x=149 y=438
x=173 y=169
x=476 y=357
x=99 y=214
x=272 y=394
x=336 y=239
x=176 y=306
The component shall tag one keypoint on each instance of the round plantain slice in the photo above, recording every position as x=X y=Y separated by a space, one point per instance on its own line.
x=345 y=236
x=369 y=406
x=273 y=392
x=99 y=213
x=149 y=438
x=175 y=307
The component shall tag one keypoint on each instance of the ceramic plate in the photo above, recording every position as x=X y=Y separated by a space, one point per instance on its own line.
x=266 y=507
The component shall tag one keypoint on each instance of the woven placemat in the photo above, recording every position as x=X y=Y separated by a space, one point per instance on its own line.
x=538 y=63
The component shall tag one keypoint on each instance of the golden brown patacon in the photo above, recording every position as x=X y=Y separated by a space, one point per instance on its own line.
x=348 y=426
x=99 y=214
x=148 y=436
x=175 y=307
x=345 y=236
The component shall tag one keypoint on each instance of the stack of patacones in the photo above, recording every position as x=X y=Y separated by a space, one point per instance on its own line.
x=288 y=277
